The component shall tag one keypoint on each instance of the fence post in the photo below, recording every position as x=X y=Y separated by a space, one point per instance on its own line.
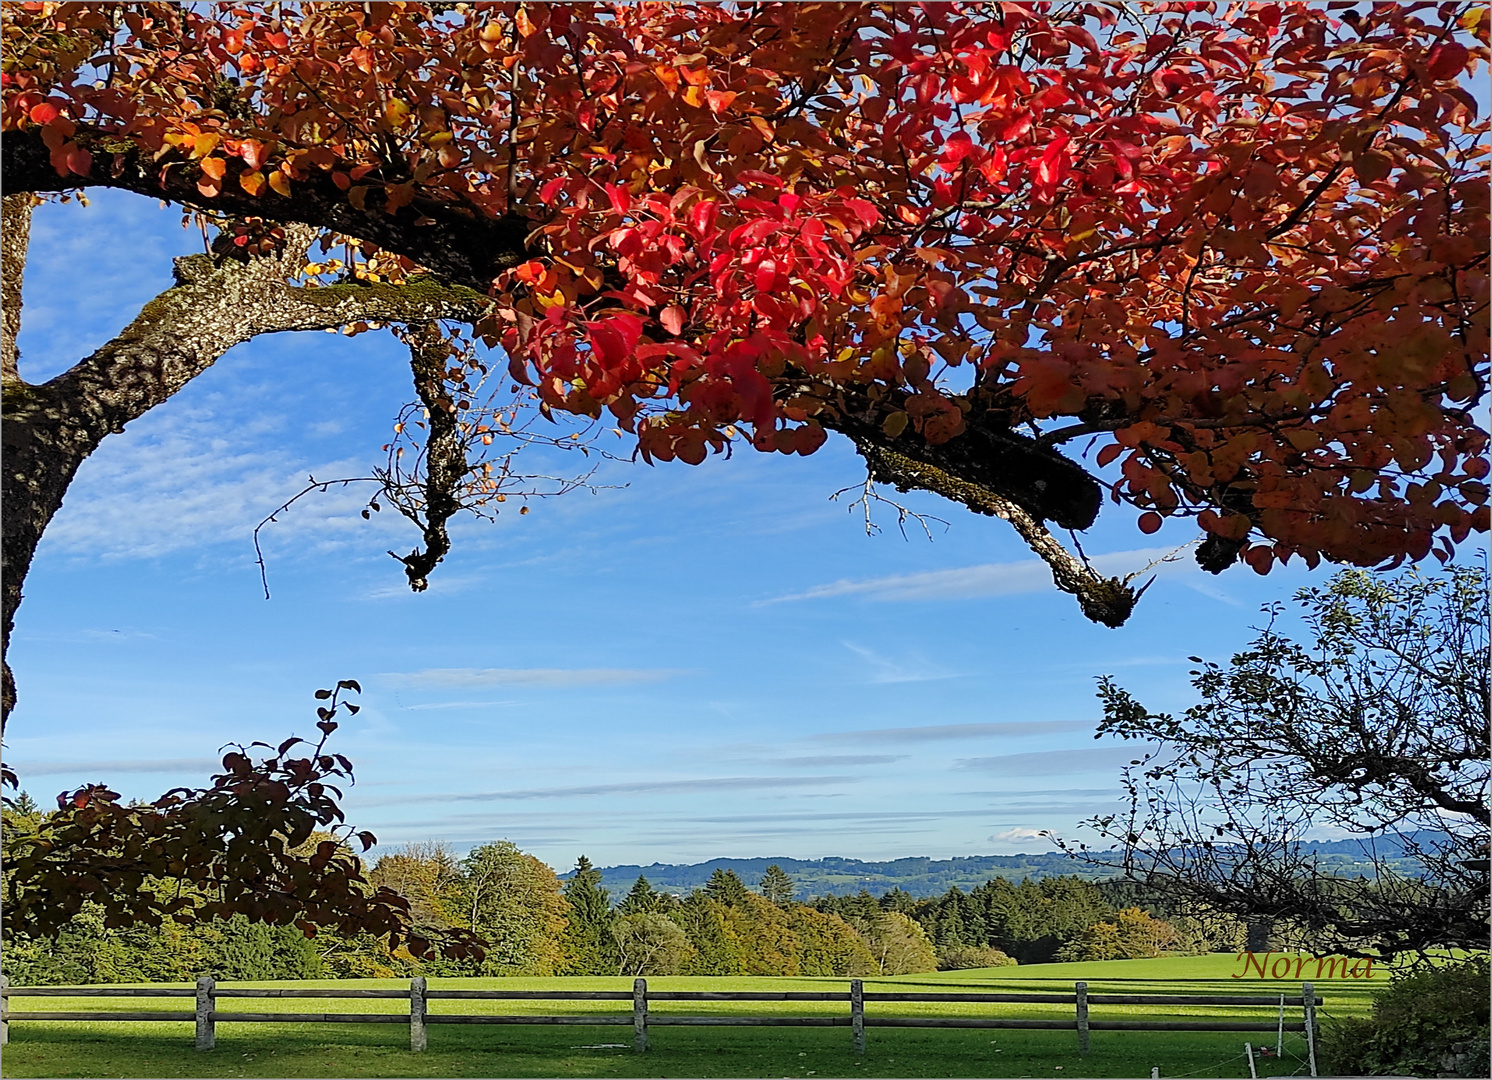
x=1308 y=1001
x=4 y=1010
x=639 y=1015
x=857 y=1015
x=417 y=1014
x=1082 y=994
x=207 y=1025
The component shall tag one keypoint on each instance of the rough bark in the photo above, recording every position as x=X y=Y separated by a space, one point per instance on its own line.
x=15 y=235
x=51 y=428
x=445 y=456
x=457 y=242
x=1104 y=600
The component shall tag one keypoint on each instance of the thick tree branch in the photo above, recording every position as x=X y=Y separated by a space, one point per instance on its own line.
x=445 y=456
x=15 y=235
x=454 y=241
x=987 y=455
x=1105 y=600
x=51 y=428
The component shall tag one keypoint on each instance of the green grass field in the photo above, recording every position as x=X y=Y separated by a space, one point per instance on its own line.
x=132 y=1049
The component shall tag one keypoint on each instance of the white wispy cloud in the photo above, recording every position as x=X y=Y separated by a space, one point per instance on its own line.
x=640 y=787
x=1053 y=762
x=910 y=669
x=62 y=324
x=988 y=579
x=825 y=760
x=102 y=768
x=1017 y=835
x=531 y=676
x=174 y=483
x=462 y=705
x=938 y=732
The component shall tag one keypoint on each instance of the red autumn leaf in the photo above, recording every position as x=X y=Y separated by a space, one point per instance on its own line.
x=1447 y=60
x=672 y=319
x=1149 y=275
x=766 y=275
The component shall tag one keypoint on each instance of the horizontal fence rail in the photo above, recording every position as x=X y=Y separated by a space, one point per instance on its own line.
x=206 y=1015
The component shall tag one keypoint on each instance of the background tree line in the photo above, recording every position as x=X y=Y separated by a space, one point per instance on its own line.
x=536 y=925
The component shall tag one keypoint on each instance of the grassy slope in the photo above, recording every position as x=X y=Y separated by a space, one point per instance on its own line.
x=294 y=1050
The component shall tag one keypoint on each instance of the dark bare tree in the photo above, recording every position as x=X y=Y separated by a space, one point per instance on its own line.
x=1376 y=729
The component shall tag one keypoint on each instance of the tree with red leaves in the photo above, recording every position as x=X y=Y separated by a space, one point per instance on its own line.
x=1215 y=261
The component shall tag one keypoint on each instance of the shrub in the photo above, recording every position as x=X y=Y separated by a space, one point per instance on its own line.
x=962 y=957
x=1430 y=1022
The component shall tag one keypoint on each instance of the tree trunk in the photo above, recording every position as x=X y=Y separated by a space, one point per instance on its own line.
x=1260 y=935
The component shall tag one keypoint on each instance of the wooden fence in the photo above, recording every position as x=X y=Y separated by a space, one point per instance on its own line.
x=206 y=1014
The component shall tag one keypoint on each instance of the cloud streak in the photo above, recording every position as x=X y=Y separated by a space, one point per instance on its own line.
x=943 y=732
x=830 y=760
x=988 y=579
x=642 y=787
x=172 y=482
x=461 y=705
x=467 y=677
x=1052 y=762
x=160 y=765
x=887 y=670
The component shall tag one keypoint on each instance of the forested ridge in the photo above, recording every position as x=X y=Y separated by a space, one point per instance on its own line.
x=921 y=876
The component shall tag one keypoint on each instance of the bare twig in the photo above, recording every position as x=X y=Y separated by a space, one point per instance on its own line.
x=869 y=494
x=312 y=485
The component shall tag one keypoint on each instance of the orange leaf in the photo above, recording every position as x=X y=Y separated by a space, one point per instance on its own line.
x=80 y=161
x=280 y=182
x=214 y=167
x=252 y=182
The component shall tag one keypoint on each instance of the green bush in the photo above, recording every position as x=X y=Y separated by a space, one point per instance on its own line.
x=1431 y=1022
x=962 y=957
x=87 y=952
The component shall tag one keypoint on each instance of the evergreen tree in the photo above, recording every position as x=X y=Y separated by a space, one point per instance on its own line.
x=590 y=947
x=725 y=887
x=949 y=932
x=899 y=900
x=718 y=951
x=777 y=887
x=642 y=900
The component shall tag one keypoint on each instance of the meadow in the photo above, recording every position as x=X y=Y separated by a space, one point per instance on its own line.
x=134 y=1049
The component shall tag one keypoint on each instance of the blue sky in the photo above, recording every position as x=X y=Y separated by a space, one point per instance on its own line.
x=710 y=661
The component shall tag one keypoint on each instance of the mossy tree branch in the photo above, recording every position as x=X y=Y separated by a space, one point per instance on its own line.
x=50 y=428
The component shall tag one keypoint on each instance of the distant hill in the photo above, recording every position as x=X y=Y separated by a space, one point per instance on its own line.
x=843 y=877
x=835 y=876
